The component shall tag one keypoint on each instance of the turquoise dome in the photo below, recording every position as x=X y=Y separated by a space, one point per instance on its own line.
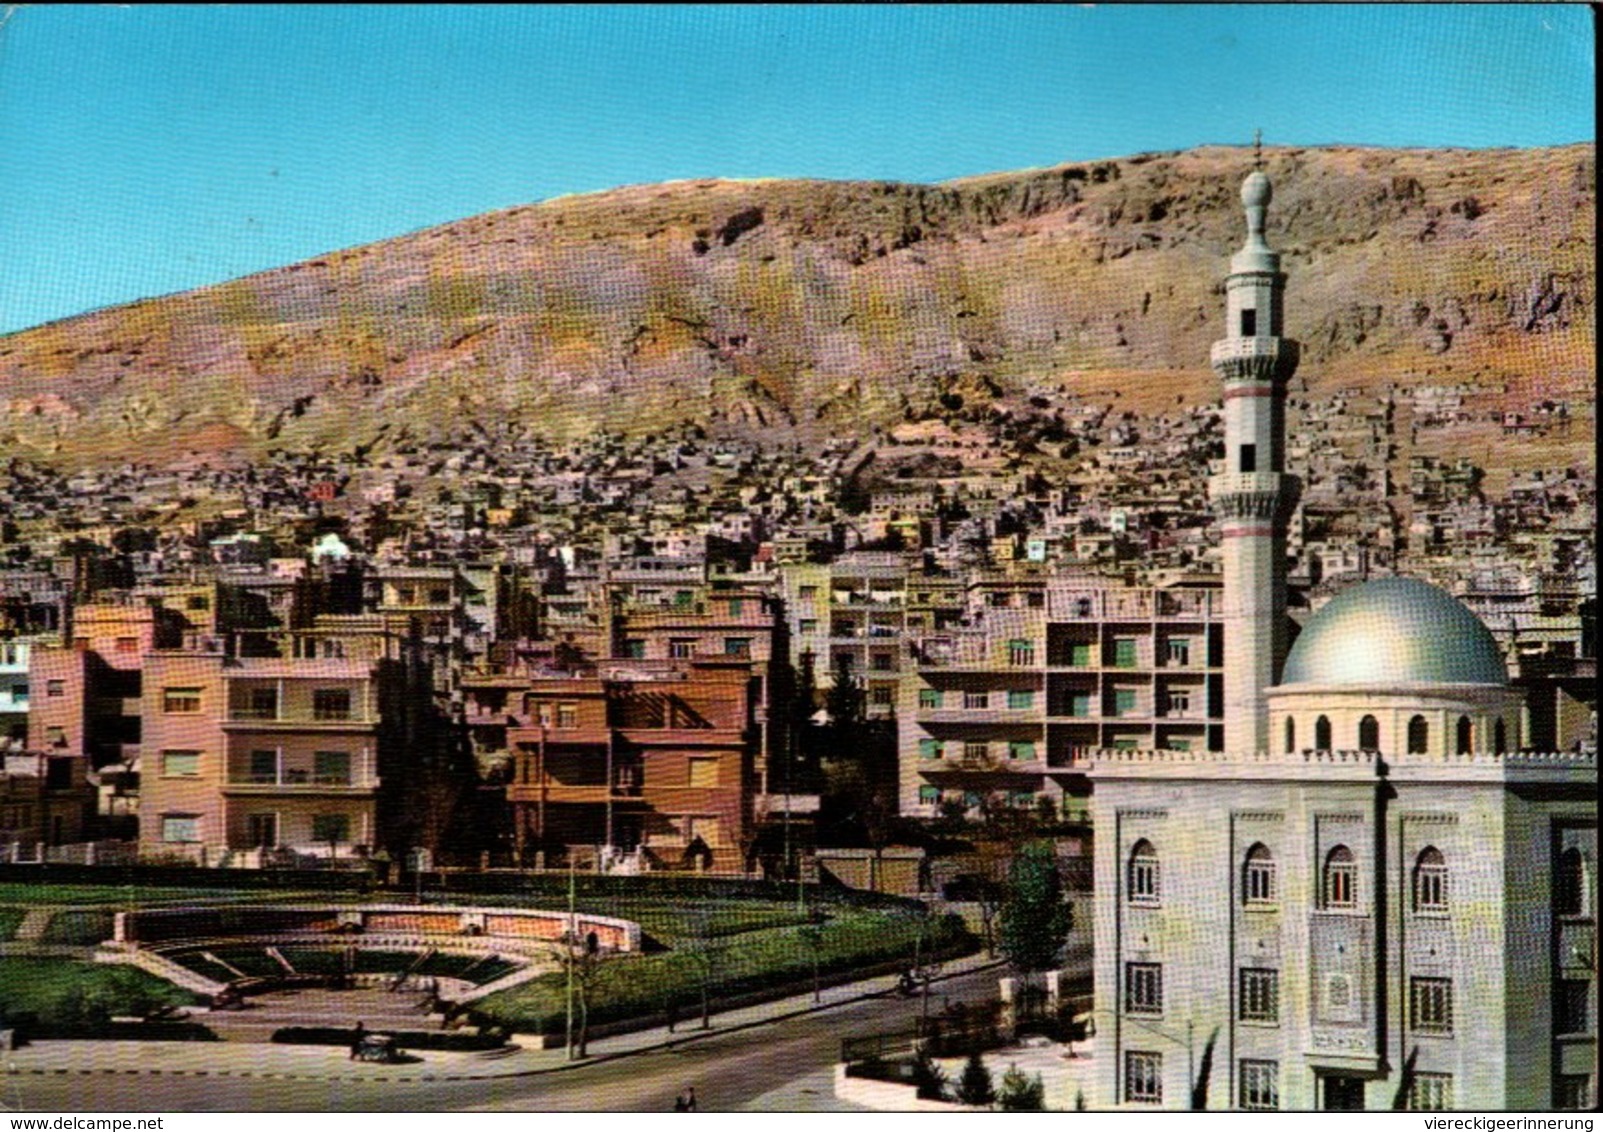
x=1395 y=631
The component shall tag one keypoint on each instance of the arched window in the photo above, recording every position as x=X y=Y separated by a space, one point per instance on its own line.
x=1291 y=735
x=1430 y=881
x=1322 y=733
x=1466 y=735
x=1369 y=734
x=1143 y=881
x=1341 y=878
x=1499 y=737
x=1418 y=735
x=1569 y=886
x=1258 y=878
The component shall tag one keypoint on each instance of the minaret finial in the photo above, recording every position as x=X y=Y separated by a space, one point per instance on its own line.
x=1257 y=149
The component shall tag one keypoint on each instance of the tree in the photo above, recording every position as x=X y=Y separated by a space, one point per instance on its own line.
x=974 y=1087
x=1035 y=916
x=928 y=1078
x=1021 y=1093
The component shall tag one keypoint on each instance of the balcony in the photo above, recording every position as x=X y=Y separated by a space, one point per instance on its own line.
x=300 y=781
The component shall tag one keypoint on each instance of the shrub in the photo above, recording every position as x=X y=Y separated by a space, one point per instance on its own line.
x=1021 y=1093
x=928 y=1078
x=974 y=1087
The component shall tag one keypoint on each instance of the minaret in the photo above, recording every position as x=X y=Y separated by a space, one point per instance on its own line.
x=1253 y=496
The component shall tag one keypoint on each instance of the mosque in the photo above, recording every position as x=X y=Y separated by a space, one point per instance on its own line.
x=1375 y=897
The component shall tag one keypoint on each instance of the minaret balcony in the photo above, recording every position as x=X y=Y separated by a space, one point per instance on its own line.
x=1254 y=359
x=1253 y=495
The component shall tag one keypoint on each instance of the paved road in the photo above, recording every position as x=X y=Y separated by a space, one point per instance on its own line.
x=780 y=1065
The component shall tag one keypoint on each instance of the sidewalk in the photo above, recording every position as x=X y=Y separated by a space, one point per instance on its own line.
x=331 y=1063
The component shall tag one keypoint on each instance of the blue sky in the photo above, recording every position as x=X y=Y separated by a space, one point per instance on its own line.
x=145 y=150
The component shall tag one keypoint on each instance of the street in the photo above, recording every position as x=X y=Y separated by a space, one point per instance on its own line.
x=731 y=1071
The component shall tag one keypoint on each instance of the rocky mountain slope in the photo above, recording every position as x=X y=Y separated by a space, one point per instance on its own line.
x=802 y=309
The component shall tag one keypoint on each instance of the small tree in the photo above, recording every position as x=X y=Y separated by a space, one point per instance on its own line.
x=1021 y=1093
x=928 y=1078
x=974 y=1087
x=1035 y=917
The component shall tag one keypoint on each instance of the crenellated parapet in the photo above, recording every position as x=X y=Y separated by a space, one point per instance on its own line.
x=1348 y=765
x=1269 y=496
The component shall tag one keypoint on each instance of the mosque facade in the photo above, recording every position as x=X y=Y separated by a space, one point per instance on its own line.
x=1375 y=897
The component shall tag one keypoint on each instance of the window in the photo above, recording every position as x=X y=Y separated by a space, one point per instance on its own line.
x=1022 y=749
x=881 y=662
x=1430 y=881
x=976 y=701
x=1080 y=654
x=1124 y=652
x=1020 y=653
x=1341 y=876
x=56 y=736
x=264 y=767
x=1499 y=737
x=262 y=703
x=929 y=697
x=1143 y=1077
x=931 y=749
x=1430 y=1005
x=1418 y=735
x=806 y=593
x=127 y=644
x=198 y=603
x=703 y=773
x=1260 y=995
x=1143 y=988
x=1179 y=701
x=683 y=649
x=1369 y=734
x=808 y=625
x=1291 y=735
x=1466 y=735
x=1143 y=878
x=1124 y=701
x=19 y=693
x=1080 y=704
x=929 y=795
x=683 y=598
x=1572 y=1092
x=180 y=764
x=55 y=687
x=634 y=649
x=1430 y=1092
x=331 y=768
x=1572 y=1006
x=976 y=752
x=331 y=828
x=1020 y=699
x=881 y=695
x=1249 y=323
x=331 y=703
x=180 y=701
x=439 y=595
x=1248 y=454
x=1258 y=880
x=1322 y=734
x=737 y=646
x=1260 y=1085
x=1179 y=651
x=180 y=828
x=568 y=716
x=1569 y=887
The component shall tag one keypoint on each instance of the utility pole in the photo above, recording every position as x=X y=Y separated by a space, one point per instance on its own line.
x=569 y=942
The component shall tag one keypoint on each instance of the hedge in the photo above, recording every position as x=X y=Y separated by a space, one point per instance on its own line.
x=404 y=1039
x=635 y=985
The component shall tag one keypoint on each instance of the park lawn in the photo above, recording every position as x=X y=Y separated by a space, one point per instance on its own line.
x=15 y=894
x=629 y=986
x=71 y=990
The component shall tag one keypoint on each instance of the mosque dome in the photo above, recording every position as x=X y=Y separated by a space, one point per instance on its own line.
x=1395 y=631
x=1256 y=190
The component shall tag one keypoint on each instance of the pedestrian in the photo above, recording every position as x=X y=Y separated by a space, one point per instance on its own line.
x=671 y=1009
x=356 y=1040
x=690 y=1099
